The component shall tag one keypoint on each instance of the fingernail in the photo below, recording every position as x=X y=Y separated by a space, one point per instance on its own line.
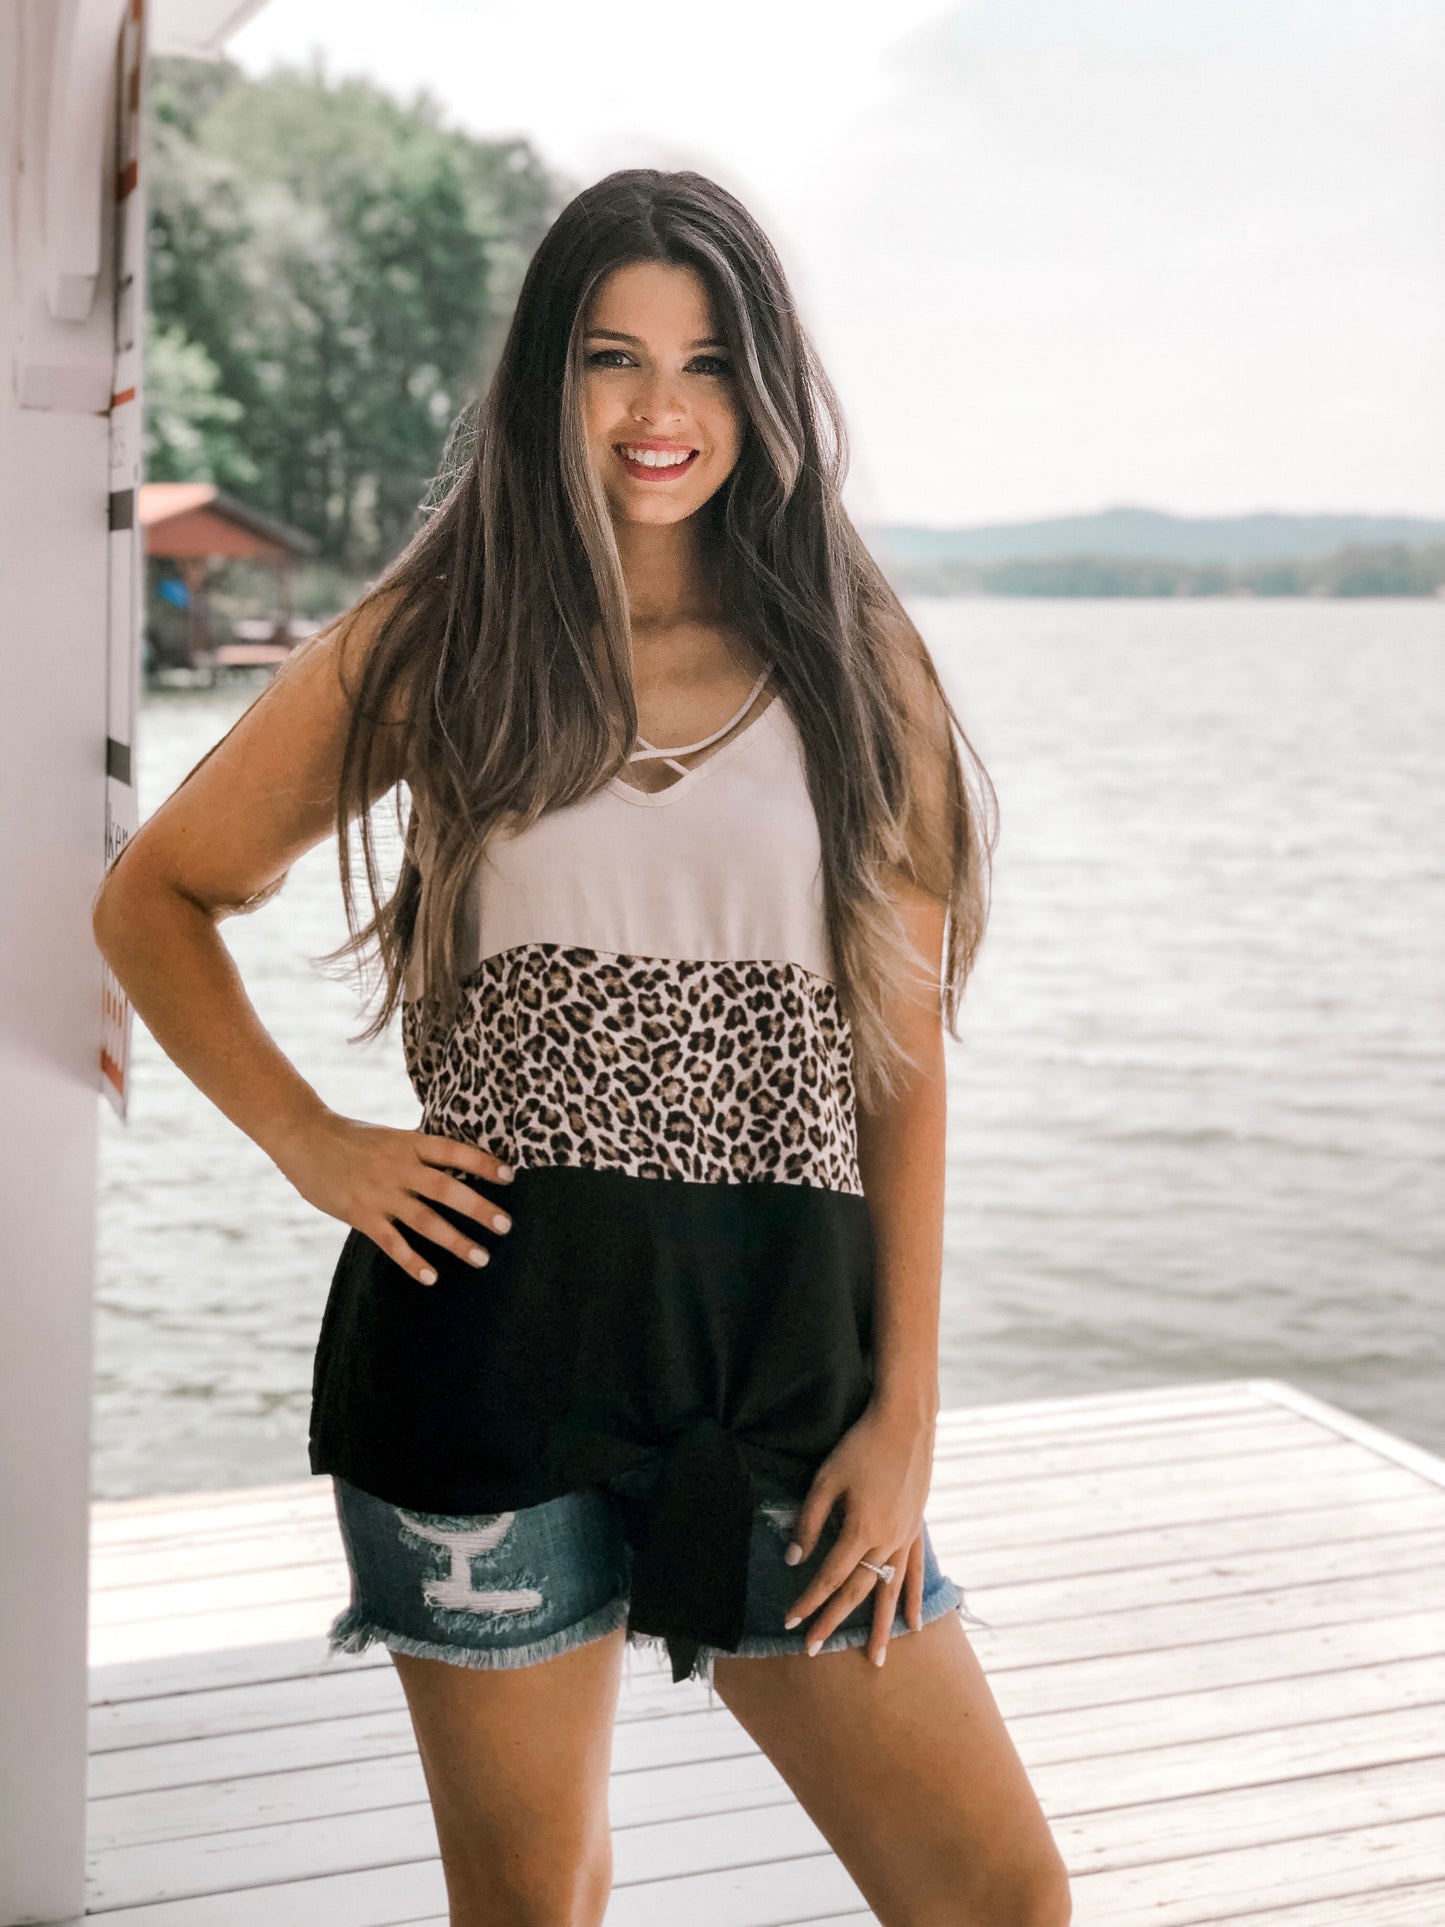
x=477 y=1256
x=428 y=1277
x=502 y=1222
x=793 y=1554
x=796 y=1620
x=878 y=1658
x=815 y=1648
x=505 y=1173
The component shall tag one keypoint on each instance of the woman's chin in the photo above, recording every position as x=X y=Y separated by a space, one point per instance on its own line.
x=635 y=505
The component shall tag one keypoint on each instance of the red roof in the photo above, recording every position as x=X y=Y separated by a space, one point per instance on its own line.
x=159 y=501
x=199 y=519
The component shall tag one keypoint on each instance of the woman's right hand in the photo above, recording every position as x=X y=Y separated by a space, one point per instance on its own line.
x=381 y=1181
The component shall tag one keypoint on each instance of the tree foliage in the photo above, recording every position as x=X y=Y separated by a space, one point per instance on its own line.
x=330 y=272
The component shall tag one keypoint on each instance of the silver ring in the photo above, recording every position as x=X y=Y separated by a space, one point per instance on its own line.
x=883 y=1572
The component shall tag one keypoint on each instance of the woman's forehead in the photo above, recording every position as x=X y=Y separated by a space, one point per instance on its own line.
x=658 y=297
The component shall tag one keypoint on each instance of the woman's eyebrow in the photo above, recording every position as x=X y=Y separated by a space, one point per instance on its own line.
x=616 y=334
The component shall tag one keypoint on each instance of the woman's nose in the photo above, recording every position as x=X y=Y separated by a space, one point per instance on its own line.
x=658 y=401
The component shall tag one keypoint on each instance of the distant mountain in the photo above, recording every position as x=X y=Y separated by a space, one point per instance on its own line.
x=1359 y=569
x=1148 y=535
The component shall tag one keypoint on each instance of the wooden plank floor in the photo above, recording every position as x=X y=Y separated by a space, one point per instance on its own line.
x=1216 y=1629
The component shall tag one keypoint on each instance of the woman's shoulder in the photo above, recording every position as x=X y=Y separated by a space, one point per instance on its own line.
x=373 y=670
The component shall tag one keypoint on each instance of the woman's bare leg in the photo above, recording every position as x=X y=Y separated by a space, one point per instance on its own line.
x=517 y=1762
x=908 y=1771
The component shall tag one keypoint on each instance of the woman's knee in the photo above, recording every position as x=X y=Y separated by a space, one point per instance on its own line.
x=964 y=1890
x=528 y=1882
x=1037 y=1895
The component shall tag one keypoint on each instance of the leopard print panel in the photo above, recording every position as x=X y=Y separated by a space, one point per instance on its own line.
x=716 y=1072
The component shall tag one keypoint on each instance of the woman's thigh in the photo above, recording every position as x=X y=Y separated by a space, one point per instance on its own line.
x=907 y=1768
x=517 y=1762
x=506 y=1630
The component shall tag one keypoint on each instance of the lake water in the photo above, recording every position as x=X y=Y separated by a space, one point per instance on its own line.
x=1196 y=1120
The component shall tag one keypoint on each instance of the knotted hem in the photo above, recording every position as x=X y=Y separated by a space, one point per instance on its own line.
x=700 y=1667
x=352 y=1631
x=688 y=1577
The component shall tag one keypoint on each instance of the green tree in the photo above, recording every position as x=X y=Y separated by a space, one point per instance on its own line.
x=190 y=424
x=330 y=272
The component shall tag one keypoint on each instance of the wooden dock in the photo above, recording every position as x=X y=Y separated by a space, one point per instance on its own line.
x=1217 y=1620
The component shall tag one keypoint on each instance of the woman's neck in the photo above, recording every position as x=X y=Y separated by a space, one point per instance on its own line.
x=665 y=569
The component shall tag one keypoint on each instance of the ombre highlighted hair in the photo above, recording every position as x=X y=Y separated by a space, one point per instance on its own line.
x=500 y=646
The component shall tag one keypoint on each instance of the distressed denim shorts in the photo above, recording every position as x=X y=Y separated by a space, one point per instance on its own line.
x=495 y=1589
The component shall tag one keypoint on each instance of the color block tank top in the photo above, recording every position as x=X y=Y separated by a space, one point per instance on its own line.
x=650 y=1034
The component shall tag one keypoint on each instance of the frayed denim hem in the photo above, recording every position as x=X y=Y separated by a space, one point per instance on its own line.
x=352 y=1632
x=946 y=1598
x=965 y=1611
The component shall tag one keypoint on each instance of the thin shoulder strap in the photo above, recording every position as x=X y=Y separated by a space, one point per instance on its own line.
x=650 y=750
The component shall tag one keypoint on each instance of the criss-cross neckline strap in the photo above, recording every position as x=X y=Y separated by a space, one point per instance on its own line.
x=648 y=750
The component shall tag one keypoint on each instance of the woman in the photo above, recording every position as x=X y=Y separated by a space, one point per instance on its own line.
x=635 y=1338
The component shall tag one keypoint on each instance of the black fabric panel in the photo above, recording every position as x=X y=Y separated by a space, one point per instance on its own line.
x=717 y=1329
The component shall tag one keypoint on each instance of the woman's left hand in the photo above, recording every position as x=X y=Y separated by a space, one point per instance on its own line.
x=881 y=1469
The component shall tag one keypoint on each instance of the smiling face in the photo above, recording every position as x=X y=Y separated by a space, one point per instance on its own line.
x=659 y=400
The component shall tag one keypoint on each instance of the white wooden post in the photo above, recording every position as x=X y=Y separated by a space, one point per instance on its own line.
x=57 y=183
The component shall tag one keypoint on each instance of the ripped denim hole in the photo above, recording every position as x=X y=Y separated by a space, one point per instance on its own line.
x=455 y=1591
x=782 y=1518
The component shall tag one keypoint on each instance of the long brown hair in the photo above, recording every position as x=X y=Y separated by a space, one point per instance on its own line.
x=502 y=639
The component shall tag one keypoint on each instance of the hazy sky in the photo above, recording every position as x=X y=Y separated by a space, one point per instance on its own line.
x=1056 y=254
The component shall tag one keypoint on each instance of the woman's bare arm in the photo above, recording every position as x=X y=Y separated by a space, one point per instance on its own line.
x=901 y=1146
x=265 y=796
x=901 y=1143
x=883 y=1465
